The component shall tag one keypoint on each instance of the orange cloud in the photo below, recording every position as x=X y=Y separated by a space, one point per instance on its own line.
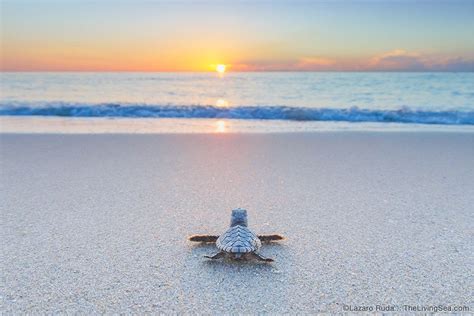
x=302 y=64
x=315 y=63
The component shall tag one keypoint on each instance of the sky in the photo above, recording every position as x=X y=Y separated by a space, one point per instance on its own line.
x=279 y=35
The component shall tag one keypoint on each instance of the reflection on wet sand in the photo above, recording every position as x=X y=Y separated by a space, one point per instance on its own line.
x=221 y=126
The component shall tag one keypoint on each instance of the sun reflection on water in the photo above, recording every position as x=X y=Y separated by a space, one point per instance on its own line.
x=221 y=126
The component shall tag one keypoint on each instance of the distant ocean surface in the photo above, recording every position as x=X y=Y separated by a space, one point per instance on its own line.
x=403 y=98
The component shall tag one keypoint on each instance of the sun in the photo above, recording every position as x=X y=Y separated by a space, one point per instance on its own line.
x=220 y=68
x=222 y=103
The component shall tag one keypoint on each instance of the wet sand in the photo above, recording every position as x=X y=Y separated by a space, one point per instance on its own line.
x=98 y=223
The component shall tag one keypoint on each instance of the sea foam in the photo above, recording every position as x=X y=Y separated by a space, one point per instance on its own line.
x=352 y=114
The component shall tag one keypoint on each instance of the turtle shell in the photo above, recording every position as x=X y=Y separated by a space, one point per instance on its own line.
x=238 y=239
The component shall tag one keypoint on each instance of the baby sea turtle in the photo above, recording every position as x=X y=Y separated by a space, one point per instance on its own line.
x=238 y=242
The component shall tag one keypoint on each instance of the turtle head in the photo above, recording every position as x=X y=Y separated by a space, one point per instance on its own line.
x=239 y=217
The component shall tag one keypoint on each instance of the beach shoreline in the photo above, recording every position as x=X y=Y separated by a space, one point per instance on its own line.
x=114 y=125
x=97 y=223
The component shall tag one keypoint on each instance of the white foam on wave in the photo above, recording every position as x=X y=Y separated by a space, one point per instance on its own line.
x=352 y=114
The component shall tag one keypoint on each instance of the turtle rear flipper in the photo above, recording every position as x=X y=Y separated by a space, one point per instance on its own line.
x=216 y=256
x=203 y=238
x=269 y=238
x=256 y=256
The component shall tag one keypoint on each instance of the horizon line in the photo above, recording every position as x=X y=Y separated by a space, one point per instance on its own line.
x=233 y=71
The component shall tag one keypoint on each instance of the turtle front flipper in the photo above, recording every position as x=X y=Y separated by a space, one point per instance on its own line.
x=269 y=238
x=216 y=256
x=203 y=238
x=258 y=257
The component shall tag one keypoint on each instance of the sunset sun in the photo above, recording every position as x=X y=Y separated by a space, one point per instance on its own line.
x=220 y=68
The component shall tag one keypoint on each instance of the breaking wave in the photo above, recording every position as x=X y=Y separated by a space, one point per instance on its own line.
x=353 y=114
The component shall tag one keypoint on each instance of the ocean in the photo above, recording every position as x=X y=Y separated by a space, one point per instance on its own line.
x=266 y=101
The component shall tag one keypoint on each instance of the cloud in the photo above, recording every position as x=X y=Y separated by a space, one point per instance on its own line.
x=394 y=60
x=302 y=64
x=398 y=59
x=454 y=64
x=315 y=63
x=402 y=60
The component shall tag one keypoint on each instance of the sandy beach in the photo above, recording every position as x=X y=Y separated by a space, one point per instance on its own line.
x=99 y=223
